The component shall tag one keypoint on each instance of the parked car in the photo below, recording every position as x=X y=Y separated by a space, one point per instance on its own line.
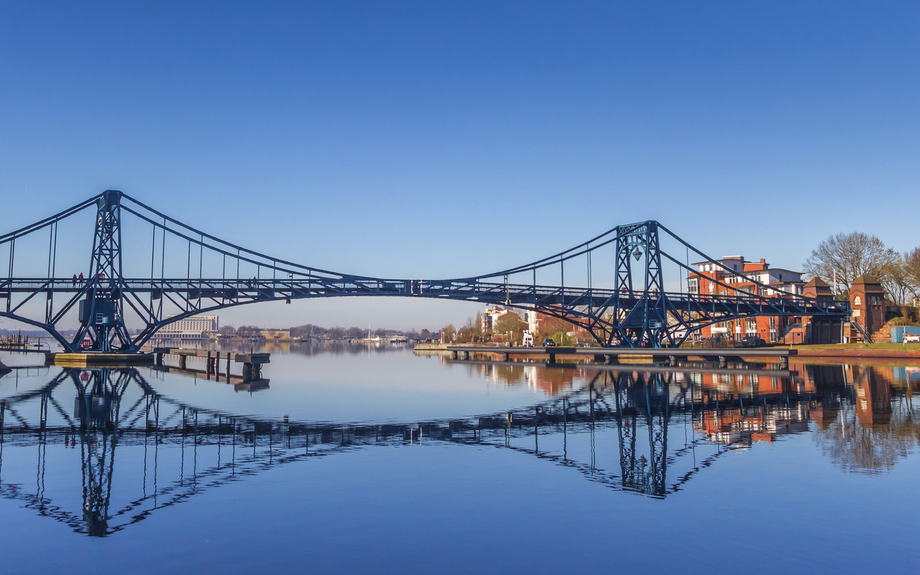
x=549 y=343
x=910 y=338
x=752 y=341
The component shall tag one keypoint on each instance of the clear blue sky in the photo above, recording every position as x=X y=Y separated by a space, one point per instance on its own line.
x=433 y=139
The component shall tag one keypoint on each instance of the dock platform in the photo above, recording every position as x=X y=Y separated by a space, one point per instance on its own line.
x=98 y=359
x=252 y=362
x=608 y=355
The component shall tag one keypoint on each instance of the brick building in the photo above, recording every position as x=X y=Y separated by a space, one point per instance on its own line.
x=728 y=280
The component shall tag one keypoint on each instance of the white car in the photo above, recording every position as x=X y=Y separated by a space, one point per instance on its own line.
x=911 y=338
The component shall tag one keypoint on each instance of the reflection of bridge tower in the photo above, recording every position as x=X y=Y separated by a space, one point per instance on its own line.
x=646 y=396
x=97 y=407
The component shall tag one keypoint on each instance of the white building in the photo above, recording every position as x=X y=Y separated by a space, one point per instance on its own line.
x=492 y=314
x=194 y=326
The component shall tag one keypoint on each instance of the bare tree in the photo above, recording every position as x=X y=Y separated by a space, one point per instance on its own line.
x=510 y=323
x=912 y=270
x=850 y=255
x=899 y=286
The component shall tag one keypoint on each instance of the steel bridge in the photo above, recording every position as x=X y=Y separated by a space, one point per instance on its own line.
x=192 y=272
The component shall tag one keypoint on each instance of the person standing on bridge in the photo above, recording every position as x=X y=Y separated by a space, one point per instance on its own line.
x=73 y=280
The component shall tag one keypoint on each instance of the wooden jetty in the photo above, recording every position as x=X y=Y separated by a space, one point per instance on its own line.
x=252 y=362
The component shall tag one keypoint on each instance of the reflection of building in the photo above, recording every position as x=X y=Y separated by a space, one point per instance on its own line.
x=873 y=396
x=276 y=334
x=195 y=326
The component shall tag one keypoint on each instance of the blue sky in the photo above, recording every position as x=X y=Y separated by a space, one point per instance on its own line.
x=442 y=139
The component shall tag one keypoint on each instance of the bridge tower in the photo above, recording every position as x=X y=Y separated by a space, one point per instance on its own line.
x=641 y=315
x=101 y=313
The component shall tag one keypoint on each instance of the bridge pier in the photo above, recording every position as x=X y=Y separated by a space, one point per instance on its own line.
x=552 y=358
x=506 y=356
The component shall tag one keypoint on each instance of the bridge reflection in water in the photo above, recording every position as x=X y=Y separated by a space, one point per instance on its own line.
x=633 y=428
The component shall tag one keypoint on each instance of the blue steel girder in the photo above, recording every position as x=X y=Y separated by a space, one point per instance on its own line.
x=625 y=315
x=577 y=305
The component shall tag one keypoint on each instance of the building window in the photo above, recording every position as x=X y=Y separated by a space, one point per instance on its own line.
x=693 y=285
x=857 y=301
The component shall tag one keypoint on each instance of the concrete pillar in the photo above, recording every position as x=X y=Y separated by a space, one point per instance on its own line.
x=506 y=356
x=552 y=358
x=182 y=362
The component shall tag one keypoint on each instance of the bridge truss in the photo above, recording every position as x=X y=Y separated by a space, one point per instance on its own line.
x=121 y=302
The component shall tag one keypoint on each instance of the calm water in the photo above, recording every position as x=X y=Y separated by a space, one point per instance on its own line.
x=357 y=460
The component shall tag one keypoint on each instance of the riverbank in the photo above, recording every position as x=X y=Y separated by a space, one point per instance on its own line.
x=909 y=351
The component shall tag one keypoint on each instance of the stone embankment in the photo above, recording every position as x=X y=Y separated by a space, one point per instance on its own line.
x=871 y=351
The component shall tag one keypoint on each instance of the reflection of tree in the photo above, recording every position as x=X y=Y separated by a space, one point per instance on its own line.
x=510 y=375
x=859 y=449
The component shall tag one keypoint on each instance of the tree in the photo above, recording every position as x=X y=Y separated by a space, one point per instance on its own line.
x=509 y=323
x=248 y=331
x=897 y=282
x=228 y=330
x=850 y=255
x=449 y=332
x=912 y=269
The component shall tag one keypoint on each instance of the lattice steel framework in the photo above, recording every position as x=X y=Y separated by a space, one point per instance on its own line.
x=108 y=303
